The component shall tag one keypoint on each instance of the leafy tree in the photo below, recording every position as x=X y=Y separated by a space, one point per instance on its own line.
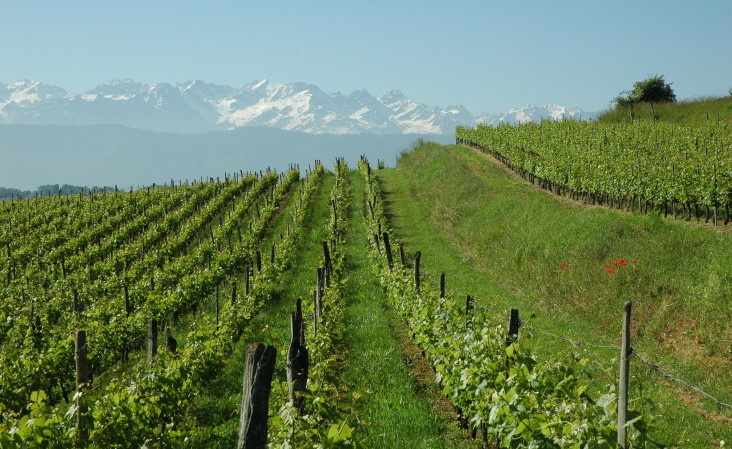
x=651 y=90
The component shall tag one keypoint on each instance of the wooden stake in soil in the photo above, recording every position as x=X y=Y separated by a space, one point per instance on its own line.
x=417 y=257
x=82 y=379
x=152 y=341
x=217 y=306
x=513 y=327
x=442 y=285
x=298 y=362
x=625 y=353
x=319 y=292
x=247 y=281
x=387 y=250
x=256 y=386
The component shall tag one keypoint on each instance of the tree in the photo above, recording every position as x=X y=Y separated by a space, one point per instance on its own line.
x=651 y=90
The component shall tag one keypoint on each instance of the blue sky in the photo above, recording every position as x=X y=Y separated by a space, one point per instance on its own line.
x=483 y=55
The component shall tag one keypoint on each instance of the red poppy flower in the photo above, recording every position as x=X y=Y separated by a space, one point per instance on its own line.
x=607 y=266
x=611 y=271
x=635 y=261
x=563 y=264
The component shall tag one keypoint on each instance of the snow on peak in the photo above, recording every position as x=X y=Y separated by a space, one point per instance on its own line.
x=195 y=106
x=533 y=113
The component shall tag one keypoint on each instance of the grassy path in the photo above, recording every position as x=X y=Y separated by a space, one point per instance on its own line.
x=502 y=241
x=392 y=414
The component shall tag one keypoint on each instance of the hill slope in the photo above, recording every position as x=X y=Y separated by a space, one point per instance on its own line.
x=687 y=112
x=512 y=245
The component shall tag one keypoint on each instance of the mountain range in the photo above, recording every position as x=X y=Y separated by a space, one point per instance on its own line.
x=198 y=106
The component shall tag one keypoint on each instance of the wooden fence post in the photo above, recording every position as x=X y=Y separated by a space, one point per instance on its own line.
x=328 y=261
x=625 y=353
x=82 y=379
x=217 y=306
x=319 y=292
x=152 y=341
x=387 y=250
x=513 y=327
x=247 y=282
x=257 y=384
x=417 y=257
x=298 y=362
x=442 y=285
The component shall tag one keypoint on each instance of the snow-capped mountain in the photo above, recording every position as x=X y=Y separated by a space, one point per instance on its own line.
x=533 y=113
x=197 y=106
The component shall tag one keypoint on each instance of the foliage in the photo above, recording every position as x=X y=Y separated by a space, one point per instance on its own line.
x=651 y=90
x=659 y=162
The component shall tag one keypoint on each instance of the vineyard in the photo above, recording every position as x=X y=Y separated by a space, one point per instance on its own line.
x=128 y=319
x=678 y=170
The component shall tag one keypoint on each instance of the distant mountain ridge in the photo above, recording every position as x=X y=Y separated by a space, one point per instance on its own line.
x=198 y=106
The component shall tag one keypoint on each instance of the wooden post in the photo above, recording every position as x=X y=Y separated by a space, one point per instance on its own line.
x=625 y=352
x=217 y=306
x=387 y=250
x=257 y=384
x=319 y=292
x=259 y=261
x=297 y=363
x=326 y=255
x=378 y=244
x=513 y=327
x=152 y=341
x=77 y=305
x=442 y=285
x=401 y=255
x=315 y=321
x=82 y=379
x=417 y=256
x=272 y=255
x=233 y=293
x=246 y=280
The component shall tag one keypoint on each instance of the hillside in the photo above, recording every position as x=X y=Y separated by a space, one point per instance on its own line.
x=687 y=112
x=511 y=244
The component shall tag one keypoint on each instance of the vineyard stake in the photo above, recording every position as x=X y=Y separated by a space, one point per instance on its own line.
x=625 y=353
x=256 y=386
x=513 y=327
x=152 y=341
x=417 y=257
x=82 y=378
x=298 y=362
x=387 y=250
x=217 y=306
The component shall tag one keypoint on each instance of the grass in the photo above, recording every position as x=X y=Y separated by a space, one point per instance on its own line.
x=395 y=411
x=503 y=241
x=688 y=112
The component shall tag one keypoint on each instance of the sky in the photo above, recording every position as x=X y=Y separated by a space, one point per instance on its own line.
x=485 y=55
